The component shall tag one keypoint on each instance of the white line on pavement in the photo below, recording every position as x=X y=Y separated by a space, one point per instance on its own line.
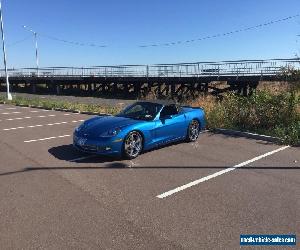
x=10 y=113
x=7 y=109
x=42 y=125
x=37 y=111
x=196 y=182
x=48 y=138
x=27 y=117
x=18 y=118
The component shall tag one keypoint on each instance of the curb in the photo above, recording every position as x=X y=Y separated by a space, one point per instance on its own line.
x=21 y=105
x=247 y=135
x=89 y=113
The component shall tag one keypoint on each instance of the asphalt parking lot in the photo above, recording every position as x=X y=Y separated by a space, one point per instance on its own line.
x=200 y=195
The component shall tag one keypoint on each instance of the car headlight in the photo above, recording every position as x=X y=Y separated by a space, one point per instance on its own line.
x=111 y=132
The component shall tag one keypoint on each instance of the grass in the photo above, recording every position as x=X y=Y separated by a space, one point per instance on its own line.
x=265 y=113
x=54 y=104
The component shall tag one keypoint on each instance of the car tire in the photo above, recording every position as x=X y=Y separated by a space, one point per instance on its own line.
x=193 y=131
x=133 y=145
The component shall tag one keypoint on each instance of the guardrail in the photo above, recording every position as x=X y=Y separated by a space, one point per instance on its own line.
x=198 y=69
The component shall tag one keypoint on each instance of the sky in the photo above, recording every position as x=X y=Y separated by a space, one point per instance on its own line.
x=123 y=26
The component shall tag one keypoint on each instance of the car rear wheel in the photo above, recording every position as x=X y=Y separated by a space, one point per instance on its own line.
x=133 y=145
x=193 y=131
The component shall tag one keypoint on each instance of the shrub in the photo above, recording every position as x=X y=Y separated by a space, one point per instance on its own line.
x=271 y=114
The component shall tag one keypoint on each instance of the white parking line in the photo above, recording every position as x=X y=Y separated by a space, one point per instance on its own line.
x=42 y=125
x=27 y=117
x=37 y=111
x=10 y=113
x=30 y=117
x=18 y=118
x=48 y=138
x=196 y=182
x=7 y=109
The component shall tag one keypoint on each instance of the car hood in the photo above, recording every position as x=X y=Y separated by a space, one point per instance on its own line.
x=100 y=124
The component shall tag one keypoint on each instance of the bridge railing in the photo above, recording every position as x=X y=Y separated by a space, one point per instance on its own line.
x=199 y=69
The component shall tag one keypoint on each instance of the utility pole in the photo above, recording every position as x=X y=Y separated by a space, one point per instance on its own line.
x=298 y=55
x=9 y=97
x=36 y=48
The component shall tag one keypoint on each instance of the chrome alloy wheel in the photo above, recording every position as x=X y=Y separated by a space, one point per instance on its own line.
x=194 y=129
x=133 y=144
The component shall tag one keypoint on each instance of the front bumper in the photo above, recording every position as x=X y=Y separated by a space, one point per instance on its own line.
x=100 y=146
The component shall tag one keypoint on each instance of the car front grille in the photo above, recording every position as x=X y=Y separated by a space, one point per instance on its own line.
x=88 y=148
x=91 y=148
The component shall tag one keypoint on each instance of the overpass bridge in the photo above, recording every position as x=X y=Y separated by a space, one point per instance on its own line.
x=173 y=79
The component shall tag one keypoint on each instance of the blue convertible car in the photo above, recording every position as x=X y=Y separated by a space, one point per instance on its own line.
x=139 y=127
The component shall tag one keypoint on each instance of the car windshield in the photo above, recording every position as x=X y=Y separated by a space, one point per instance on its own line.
x=141 y=111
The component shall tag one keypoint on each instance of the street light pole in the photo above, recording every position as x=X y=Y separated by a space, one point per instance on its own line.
x=9 y=97
x=36 y=48
x=36 y=54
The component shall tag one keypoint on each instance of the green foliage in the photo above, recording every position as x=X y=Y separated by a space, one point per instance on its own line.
x=290 y=73
x=2 y=98
x=276 y=115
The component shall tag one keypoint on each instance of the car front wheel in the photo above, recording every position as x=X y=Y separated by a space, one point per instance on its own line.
x=133 y=145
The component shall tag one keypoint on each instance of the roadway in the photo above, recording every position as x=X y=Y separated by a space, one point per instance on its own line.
x=183 y=196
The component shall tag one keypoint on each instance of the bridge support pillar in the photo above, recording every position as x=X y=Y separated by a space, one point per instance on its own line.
x=58 y=89
x=173 y=90
x=33 y=88
x=159 y=89
x=137 y=88
x=89 y=87
x=206 y=87
x=245 y=89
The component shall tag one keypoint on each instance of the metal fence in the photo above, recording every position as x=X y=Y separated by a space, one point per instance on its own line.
x=198 y=69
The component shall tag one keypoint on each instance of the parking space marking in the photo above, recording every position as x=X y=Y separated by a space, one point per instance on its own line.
x=42 y=125
x=17 y=118
x=48 y=138
x=27 y=117
x=37 y=111
x=7 y=109
x=10 y=113
x=196 y=182
x=31 y=117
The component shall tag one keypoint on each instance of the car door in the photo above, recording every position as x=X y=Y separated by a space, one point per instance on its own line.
x=170 y=126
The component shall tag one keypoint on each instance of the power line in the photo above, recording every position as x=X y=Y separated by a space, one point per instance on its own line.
x=57 y=39
x=19 y=41
x=72 y=42
x=164 y=44
x=221 y=34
